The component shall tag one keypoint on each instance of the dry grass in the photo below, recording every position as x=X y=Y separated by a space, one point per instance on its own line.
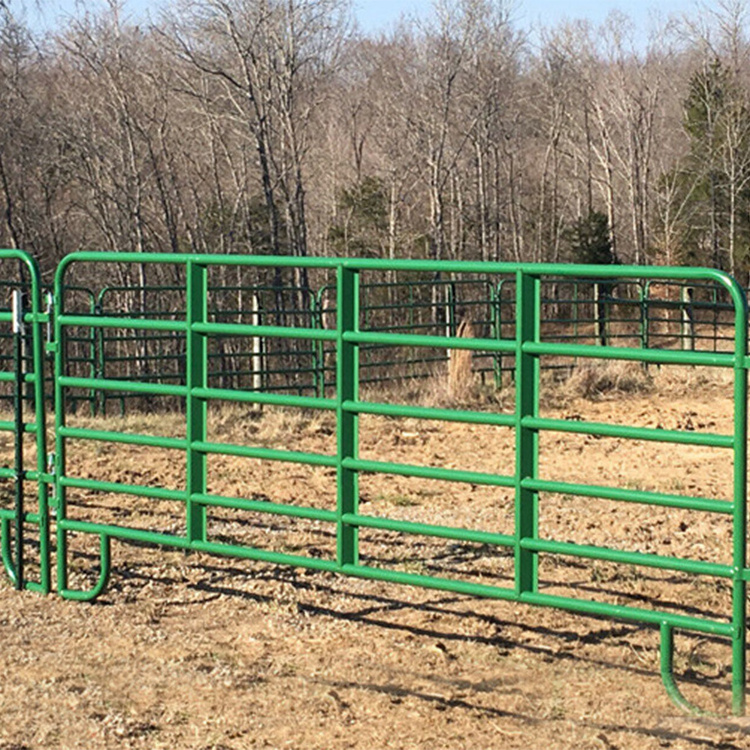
x=460 y=375
x=591 y=380
x=689 y=381
x=232 y=654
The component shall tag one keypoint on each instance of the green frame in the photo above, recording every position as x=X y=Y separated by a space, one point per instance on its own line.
x=590 y=309
x=26 y=375
x=526 y=346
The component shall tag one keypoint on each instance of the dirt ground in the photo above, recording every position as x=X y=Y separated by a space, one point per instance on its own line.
x=199 y=652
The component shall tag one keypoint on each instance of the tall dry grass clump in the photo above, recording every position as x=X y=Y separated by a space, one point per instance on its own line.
x=592 y=380
x=460 y=375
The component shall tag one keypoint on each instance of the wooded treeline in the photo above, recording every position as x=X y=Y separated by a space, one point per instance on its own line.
x=276 y=127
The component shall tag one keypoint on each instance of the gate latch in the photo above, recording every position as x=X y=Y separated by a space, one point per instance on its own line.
x=18 y=312
x=51 y=474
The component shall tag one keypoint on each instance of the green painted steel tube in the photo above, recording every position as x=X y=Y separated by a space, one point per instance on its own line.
x=666 y=666
x=140 y=324
x=108 y=436
x=429 y=582
x=8 y=514
x=572 y=270
x=10 y=377
x=437 y=342
x=266 y=454
x=38 y=319
x=270 y=399
x=8 y=426
x=61 y=408
x=347 y=437
x=496 y=298
x=196 y=413
x=317 y=386
x=18 y=464
x=274 y=558
x=265 y=506
x=630 y=433
x=656 y=356
x=528 y=329
x=105 y=566
x=423 y=412
x=138 y=490
x=31 y=475
x=429 y=472
x=123 y=532
x=695 y=567
x=319 y=362
x=426 y=529
x=5 y=548
x=284 y=332
x=132 y=386
x=632 y=614
x=632 y=496
x=739 y=546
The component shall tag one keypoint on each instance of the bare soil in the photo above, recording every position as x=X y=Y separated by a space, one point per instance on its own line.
x=193 y=651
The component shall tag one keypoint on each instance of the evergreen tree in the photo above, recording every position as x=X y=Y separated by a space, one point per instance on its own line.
x=711 y=186
x=590 y=240
x=362 y=227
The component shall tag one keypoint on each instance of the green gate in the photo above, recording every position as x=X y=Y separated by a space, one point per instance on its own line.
x=23 y=323
x=527 y=347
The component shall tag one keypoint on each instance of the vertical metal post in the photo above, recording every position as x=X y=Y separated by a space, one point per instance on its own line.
x=196 y=376
x=18 y=399
x=739 y=552
x=26 y=355
x=92 y=364
x=451 y=318
x=600 y=315
x=58 y=346
x=528 y=328
x=99 y=356
x=39 y=363
x=643 y=291
x=49 y=311
x=716 y=318
x=496 y=293
x=688 y=323
x=347 y=389
x=317 y=358
x=257 y=351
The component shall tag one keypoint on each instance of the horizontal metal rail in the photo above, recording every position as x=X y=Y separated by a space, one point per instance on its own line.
x=594 y=321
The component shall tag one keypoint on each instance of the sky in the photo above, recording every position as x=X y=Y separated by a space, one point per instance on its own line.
x=380 y=15
x=377 y=15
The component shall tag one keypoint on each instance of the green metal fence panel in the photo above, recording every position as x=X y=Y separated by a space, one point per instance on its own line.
x=24 y=326
x=84 y=354
x=434 y=306
x=527 y=347
x=159 y=356
x=674 y=314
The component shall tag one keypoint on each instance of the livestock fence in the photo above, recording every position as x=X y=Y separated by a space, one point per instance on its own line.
x=40 y=498
x=672 y=314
